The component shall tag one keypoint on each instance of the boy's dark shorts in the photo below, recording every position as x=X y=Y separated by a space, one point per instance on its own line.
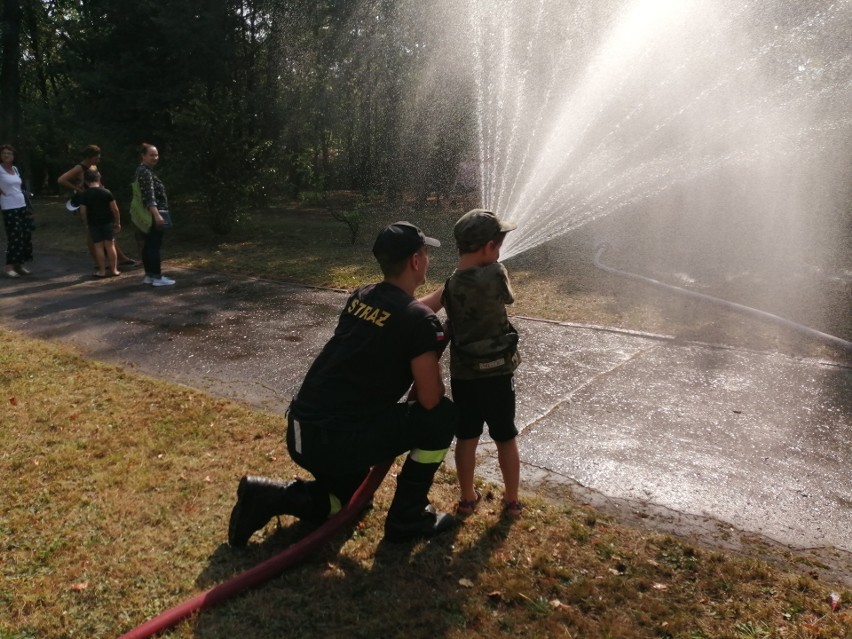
x=488 y=400
x=102 y=232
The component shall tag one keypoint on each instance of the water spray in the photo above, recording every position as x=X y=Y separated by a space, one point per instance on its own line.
x=587 y=110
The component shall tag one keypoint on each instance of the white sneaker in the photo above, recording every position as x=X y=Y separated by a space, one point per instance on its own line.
x=163 y=281
x=148 y=280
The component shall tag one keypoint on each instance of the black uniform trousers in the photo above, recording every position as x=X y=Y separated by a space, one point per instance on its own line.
x=339 y=453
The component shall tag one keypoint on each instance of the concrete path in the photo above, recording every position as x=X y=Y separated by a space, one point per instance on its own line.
x=699 y=435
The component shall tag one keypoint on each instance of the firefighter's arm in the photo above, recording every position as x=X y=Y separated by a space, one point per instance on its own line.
x=427 y=379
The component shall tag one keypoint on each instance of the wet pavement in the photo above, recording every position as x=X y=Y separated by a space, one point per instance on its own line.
x=699 y=435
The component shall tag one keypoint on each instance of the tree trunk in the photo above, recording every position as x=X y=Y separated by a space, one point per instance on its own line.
x=10 y=75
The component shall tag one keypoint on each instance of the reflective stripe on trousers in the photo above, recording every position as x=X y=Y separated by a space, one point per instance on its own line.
x=428 y=456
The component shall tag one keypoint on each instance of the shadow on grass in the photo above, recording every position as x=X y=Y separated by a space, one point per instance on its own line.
x=227 y=563
x=413 y=589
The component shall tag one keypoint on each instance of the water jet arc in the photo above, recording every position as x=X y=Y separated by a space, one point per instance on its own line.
x=823 y=337
x=269 y=568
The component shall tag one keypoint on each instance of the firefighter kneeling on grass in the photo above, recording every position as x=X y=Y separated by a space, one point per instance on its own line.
x=347 y=416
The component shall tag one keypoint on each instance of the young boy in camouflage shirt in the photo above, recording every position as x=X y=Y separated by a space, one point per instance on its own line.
x=483 y=355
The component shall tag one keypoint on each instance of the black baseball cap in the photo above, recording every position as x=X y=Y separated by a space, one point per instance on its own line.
x=399 y=240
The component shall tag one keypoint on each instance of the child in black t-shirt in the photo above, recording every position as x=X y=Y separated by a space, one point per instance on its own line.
x=99 y=211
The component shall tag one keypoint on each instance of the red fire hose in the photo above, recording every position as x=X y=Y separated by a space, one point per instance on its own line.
x=269 y=568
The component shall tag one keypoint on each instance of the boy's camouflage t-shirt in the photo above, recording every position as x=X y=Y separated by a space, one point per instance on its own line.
x=475 y=300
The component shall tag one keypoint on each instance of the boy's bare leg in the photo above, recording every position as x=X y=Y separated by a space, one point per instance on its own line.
x=111 y=257
x=94 y=253
x=510 y=468
x=100 y=257
x=465 y=455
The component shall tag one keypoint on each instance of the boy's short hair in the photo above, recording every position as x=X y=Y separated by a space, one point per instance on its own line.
x=396 y=243
x=90 y=176
x=478 y=227
x=91 y=151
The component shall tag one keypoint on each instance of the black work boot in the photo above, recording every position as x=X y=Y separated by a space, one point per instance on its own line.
x=411 y=516
x=425 y=523
x=260 y=499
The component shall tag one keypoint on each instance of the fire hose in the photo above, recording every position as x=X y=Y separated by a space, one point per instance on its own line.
x=271 y=567
x=823 y=337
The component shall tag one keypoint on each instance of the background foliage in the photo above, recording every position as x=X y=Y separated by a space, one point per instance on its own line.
x=246 y=99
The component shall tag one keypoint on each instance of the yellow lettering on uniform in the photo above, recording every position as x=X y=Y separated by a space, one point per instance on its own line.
x=368 y=313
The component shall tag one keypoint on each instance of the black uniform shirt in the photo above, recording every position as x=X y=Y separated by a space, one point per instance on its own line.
x=366 y=366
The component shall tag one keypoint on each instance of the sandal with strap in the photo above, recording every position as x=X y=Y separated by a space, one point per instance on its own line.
x=466 y=507
x=512 y=509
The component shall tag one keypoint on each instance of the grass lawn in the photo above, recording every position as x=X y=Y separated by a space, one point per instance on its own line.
x=116 y=490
